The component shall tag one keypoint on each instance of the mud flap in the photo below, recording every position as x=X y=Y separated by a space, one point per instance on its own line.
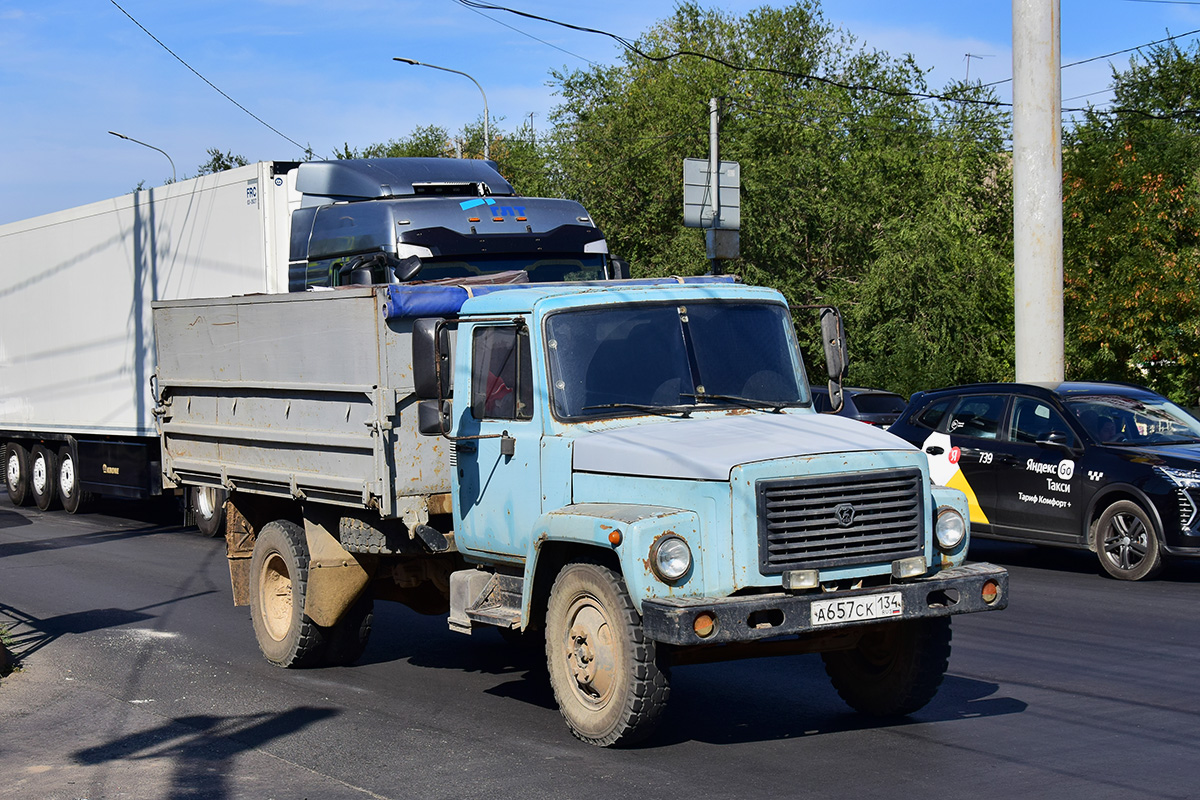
x=335 y=577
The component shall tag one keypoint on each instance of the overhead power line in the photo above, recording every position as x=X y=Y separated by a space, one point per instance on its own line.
x=901 y=93
x=633 y=48
x=530 y=35
x=218 y=89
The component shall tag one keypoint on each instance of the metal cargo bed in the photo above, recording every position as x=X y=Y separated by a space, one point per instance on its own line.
x=305 y=396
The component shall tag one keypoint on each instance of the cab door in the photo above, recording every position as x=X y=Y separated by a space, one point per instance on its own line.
x=499 y=495
x=1038 y=486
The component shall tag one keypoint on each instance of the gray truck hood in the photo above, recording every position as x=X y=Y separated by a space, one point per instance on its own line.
x=709 y=448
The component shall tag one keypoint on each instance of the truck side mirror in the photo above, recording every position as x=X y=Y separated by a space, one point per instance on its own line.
x=407 y=268
x=433 y=417
x=431 y=359
x=620 y=268
x=837 y=360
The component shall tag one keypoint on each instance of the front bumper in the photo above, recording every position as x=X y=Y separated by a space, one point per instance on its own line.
x=959 y=590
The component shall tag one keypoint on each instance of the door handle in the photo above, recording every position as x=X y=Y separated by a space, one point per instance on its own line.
x=934 y=450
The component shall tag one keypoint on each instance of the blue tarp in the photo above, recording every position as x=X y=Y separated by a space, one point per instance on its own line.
x=442 y=300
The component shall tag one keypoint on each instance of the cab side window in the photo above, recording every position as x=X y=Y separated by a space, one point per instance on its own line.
x=932 y=416
x=1033 y=420
x=977 y=416
x=501 y=373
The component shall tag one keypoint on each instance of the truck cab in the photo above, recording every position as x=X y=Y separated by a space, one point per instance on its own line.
x=662 y=440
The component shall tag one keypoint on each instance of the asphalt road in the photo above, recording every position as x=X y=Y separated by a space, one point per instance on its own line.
x=141 y=680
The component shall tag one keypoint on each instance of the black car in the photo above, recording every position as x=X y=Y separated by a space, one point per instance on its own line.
x=876 y=406
x=1109 y=467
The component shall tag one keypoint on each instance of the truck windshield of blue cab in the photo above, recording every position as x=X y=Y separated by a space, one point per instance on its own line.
x=671 y=357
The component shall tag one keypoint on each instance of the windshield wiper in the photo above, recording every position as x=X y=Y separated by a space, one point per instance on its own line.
x=662 y=411
x=745 y=402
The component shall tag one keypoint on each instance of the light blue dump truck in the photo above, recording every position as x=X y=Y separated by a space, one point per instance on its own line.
x=632 y=470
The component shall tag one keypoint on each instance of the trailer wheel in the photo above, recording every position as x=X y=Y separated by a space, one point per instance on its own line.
x=74 y=499
x=16 y=473
x=349 y=635
x=895 y=669
x=43 y=475
x=209 y=504
x=278 y=581
x=606 y=675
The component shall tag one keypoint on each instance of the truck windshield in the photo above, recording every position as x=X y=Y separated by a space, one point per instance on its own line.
x=618 y=361
x=542 y=268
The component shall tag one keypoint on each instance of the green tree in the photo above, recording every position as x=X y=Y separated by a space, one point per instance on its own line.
x=429 y=141
x=219 y=162
x=1131 y=229
x=857 y=189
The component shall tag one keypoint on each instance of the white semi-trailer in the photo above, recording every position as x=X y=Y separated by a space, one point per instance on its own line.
x=76 y=336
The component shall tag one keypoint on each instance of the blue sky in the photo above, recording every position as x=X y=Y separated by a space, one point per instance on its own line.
x=321 y=72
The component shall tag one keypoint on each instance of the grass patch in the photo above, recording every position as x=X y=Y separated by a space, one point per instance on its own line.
x=8 y=662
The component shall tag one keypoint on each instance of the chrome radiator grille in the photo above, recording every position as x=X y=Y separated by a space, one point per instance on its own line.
x=839 y=520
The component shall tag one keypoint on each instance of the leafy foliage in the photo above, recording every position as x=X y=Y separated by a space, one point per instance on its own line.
x=219 y=162
x=1131 y=229
x=856 y=191
x=894 y=208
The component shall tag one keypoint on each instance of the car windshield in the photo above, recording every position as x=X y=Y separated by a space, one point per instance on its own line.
x=667 y=358
x=1123 y=420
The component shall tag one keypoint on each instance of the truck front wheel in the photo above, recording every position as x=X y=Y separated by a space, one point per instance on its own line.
x=895 y=669
x=278 y=581
x=16 y=473
x=607 y=677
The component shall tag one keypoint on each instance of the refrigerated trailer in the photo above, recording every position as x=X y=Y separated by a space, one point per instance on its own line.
x=76 y=338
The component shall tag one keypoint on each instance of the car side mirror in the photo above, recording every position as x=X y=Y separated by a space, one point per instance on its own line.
x=1058 y=440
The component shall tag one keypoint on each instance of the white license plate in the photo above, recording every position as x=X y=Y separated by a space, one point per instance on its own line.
x=855 y=609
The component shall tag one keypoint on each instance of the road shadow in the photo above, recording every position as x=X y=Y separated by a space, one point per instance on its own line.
x=202 y=749
x=1069 y=560
x=12 y=519
x=28 y=634
x=752 y=700
x=146 y=518
x=790 y=697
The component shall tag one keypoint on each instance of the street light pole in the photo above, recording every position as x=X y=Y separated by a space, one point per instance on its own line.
x=486 y=130
x=152 y=147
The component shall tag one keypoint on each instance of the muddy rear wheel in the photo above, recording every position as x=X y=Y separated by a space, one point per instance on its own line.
x=278 y=583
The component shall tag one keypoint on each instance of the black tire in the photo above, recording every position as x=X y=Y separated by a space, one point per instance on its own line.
x=1126 y=543
x=43 y=478
x=73 y=498
x=348 y=638
x=895 y=669
x=607 y=677
x=16 y=474
x=209 y=505
x=278 y=582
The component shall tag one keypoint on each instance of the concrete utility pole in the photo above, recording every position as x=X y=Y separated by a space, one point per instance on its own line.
x=1037 y=190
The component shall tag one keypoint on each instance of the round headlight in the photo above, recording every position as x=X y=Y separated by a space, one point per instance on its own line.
x=671 y=558
x=951 y=529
